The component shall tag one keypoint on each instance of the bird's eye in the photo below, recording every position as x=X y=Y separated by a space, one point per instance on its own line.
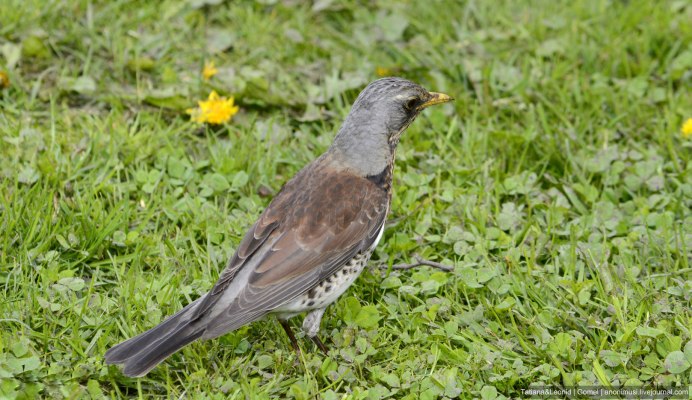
x=410 y=104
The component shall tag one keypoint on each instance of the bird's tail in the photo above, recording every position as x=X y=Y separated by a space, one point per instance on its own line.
x=142 y=353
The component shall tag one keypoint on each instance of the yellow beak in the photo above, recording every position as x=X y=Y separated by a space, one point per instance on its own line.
x=435 y=98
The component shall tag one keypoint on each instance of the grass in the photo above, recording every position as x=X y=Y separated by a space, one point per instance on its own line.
x=558 y=185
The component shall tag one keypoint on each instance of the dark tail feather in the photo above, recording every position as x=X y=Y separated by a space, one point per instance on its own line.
x=145 y=351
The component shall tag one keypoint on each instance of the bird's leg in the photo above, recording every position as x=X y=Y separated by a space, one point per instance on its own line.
x=289 y=332
x=319 y=344
x=311 y=327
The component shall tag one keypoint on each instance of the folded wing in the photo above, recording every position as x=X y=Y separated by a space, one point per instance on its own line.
x=304 y=237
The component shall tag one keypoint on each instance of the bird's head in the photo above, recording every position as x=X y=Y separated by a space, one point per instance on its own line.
x=380 y=114
x=394 y=102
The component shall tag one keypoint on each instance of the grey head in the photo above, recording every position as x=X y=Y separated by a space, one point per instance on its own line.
x=370 y=133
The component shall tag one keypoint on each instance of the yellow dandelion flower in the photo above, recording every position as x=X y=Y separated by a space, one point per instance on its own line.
x=4 y=80
x=383 y=71
x=686 y=129
x=215 y=110
x=209 y=70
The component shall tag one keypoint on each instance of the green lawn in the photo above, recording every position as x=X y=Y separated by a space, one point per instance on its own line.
x=558 y=185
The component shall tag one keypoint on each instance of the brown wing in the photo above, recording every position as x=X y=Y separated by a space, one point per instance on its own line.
x=317 y=223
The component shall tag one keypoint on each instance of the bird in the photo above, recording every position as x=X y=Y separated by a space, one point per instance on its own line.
x=310 y=243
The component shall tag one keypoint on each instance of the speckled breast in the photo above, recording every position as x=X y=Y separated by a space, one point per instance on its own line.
x=327 y=291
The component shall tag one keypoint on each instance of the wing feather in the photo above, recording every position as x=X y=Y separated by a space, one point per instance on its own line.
x=317 y=223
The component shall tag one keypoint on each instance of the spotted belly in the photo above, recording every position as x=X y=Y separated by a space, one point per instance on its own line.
x=327 y=291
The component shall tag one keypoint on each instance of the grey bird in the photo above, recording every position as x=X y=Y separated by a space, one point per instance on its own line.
x=311 y=242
